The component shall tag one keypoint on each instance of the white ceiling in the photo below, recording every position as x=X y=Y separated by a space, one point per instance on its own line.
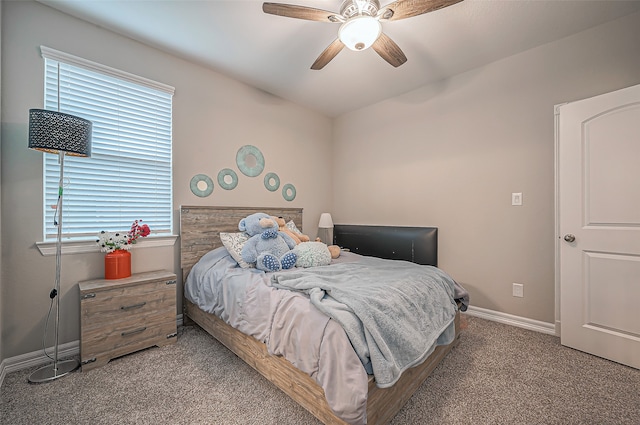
x=275 y=53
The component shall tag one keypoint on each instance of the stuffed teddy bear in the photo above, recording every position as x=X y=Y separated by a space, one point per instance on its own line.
x=268 y=248
x=282 y=227
x=333 y=249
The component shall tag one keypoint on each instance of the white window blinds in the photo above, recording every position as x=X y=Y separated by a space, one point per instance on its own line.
x=129 y=173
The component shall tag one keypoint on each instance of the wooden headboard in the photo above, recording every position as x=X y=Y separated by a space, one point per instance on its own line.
x=200 y=228
x=416 y=244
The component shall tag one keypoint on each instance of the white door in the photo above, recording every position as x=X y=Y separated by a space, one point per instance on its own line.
x=599 y=225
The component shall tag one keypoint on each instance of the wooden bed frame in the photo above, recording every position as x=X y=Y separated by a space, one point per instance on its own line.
x=199 y=233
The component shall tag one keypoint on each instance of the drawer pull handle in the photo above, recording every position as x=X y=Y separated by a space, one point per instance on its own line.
x=87 y=296
x=133 y=332
x=131 y=307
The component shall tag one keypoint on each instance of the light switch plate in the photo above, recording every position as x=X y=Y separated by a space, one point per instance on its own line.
x=518 y=290
x=516 y=198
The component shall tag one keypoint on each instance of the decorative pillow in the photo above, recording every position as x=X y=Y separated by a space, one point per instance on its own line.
x=234 y=243
x=292 y=226
x=312 y=254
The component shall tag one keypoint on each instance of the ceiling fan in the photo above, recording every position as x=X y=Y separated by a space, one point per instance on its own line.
x=361 y=24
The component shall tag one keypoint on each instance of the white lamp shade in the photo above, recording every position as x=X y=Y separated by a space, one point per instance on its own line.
x=325 y=221
x=360 y=32
x=325 y=228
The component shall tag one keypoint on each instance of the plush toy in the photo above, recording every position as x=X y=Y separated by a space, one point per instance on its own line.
x=333 y=249
x=268 y=248
x=282 y=227
x=311 y=254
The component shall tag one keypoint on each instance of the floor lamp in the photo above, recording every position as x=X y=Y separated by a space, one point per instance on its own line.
x=61 y=134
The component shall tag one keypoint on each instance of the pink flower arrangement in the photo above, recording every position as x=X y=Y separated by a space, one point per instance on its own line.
x=138 y=230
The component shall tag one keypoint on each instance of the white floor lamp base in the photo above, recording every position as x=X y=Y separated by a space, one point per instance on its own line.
x=49 y=372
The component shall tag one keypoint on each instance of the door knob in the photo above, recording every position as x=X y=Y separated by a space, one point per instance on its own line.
x=569 y=237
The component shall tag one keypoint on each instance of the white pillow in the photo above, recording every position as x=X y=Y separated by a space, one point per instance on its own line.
x=292 y=226
x=234 y=243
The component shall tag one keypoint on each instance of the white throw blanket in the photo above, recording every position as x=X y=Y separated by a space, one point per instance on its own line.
x=394 y=312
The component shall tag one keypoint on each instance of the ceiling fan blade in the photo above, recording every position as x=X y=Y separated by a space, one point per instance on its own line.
x=389 y=50
x=328 y=54
x=402 y=9
x=301 y=12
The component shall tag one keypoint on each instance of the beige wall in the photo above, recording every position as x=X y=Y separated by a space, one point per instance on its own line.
x=213 y=117
x=450 y=155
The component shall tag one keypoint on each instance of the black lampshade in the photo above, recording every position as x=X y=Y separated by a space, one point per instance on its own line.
x=51 y=131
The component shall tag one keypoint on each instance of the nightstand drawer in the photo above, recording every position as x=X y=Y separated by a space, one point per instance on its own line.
x=123 y=304
x=118 y=317
x=101 y=346
x=136 y=329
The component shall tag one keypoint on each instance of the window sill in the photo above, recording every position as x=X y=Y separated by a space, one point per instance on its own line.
x=81 y=247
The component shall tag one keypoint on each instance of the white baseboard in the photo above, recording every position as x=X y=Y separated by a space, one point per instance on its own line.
x=37 y=358
x=509 y=319
x=3 y=372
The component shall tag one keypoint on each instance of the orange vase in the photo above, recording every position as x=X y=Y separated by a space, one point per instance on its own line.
x=117 y=264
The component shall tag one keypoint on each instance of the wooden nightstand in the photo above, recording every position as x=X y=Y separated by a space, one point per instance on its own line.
x=120 y=316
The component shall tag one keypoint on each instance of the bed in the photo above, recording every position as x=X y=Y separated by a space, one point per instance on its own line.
x=200 y=229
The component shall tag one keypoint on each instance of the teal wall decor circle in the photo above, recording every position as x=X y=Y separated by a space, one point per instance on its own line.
x=267 y=181
x=289 y=192
x=245 y=161
x=222 y=181
x=195 y=185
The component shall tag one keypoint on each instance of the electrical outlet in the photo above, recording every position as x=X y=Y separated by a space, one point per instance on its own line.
x=518 y=290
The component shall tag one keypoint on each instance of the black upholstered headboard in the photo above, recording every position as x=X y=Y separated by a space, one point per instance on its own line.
x=416 y=244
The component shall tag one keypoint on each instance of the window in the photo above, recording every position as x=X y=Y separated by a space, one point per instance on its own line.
x=129 y=174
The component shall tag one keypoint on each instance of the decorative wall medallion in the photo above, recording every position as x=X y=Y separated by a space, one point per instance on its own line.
x=271 y=181
x=201 y=185
x=227 y=179
x=250 y=161
x=289 y=192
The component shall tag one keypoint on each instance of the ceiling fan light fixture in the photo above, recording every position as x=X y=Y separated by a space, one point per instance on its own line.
x=360 y=32
x=361 y=27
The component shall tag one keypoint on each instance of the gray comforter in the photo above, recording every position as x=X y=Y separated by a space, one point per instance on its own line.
x=287 y=323
x=394 y=312
x=313 y=341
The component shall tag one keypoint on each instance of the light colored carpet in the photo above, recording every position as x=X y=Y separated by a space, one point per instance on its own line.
x=498 y=374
